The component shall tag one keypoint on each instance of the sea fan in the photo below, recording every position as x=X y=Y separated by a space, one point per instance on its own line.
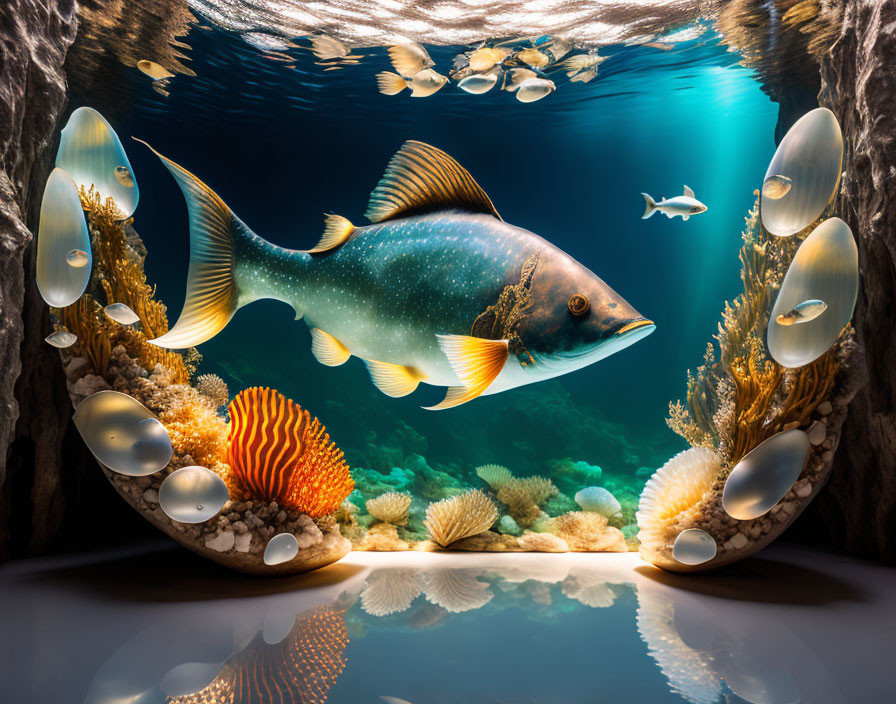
x=392 y=507
x=539 y=489
x=390 y=591
x=494 y=475
x=459 y=517
x=278 y=452
x=456 y=590
x=585 y=531
x=676 y=487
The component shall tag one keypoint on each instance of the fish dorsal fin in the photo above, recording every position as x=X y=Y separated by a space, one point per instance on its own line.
x=421 y=179
x=476 y=360
x=688 y=192
x=394 y=380
x=337 y=231
x=327 y=349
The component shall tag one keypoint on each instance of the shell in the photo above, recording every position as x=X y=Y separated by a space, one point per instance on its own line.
x=694 y=547
x=283 y=547
x=825 y=267
x=765 y=475
x=810 y=156
x=673 y=490
x=123 y=434
x=192 y=494
x=90 y=151
x=598 y=500
x=62 y=229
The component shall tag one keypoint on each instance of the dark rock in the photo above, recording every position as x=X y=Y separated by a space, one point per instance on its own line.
x=858 y=506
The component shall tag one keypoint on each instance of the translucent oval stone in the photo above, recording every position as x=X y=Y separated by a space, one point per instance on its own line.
x=765 y=474
x=825 y=267
x=77 y=258
x=62 y=229
x=192 y=494
x=283 y=547
x=90 y=151
x=694 y=547
x=123 y=434
x=120 y=313
x=803 y=175
x=61 y=339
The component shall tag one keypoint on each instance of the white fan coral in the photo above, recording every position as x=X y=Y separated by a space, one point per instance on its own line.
x=456 y=590
x=460 y=516
x=671 y=496
x=390 y=591
x=392 y=507
x=494 y=475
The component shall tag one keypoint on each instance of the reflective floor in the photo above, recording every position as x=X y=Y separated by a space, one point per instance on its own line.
x=158 y=625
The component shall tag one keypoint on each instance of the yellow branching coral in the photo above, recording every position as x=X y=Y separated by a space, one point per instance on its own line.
x=740 y=398
x=85 y=319
x=586 y=531
x=392 y=507
x=460 y=516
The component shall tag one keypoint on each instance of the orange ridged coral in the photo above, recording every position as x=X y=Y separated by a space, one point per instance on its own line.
x=278 y=452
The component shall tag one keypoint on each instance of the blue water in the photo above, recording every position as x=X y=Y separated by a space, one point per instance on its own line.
x=284 y=142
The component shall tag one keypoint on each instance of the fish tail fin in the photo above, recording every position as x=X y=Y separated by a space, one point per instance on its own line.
x=390 y=83
x=215 y=234
x=649 y=206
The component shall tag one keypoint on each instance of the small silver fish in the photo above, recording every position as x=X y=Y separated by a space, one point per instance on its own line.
x=479 y=83
x=683 y=205
x=77 y=258
x=776 y=187
x=803 y=312
x=120 y=313
x=124 y=176
x=394 y=700
x=61 y=339
x=533 y=89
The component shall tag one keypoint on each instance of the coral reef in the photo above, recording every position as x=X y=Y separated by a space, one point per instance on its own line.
x=391 y=507
x=278 y=452
x=214 y=388
x=585 y=531
x=737 y=399
x=459 y=517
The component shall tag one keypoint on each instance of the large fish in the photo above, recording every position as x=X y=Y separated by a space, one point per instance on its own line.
x=438 y=289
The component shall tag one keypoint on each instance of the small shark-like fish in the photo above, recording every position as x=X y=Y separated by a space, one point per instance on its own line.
x=438 y=289
x=684 y=205
x=803 y=312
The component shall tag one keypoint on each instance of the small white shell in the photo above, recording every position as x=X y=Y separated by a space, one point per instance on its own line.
x=765 y=475
x=61 y=339
x=121 y=313
x=694 y=547
x=283 y=547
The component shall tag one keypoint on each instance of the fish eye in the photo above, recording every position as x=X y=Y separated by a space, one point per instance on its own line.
x=578 y=305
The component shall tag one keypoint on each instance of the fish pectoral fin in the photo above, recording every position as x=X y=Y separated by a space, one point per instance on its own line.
x=476 y=360
x=689 y=192
x=421 y=178
x=685 y=217
x=394 y=380
x=337 y=231
x=327 y=349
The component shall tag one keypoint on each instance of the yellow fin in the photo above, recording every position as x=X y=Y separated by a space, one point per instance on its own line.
x=389 y=83
x=327 y=349
x=337 y=230
x=394 y=380
x=421 y=178
x=410 y=58
x=476 y=361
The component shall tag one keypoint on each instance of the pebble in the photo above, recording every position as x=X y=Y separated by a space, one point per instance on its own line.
x=817 y=433
x=243 y=542
x=803 y=490
x=825 y=407
x=281 y=517
x=151 y=496
x=738 y=541
x=222 y=542
x=239 y=527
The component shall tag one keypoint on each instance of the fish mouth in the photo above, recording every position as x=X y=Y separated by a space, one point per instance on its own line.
x=635 y=325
